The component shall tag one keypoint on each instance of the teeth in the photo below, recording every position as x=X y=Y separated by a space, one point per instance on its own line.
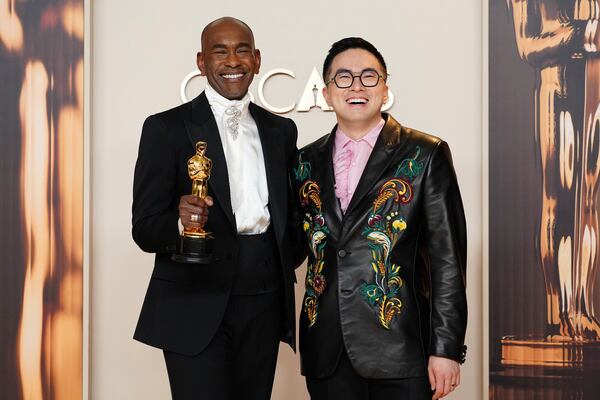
x=232 y=76
x=356 y=101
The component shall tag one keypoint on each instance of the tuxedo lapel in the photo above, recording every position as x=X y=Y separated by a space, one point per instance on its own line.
x=379 y=161
x=203 y=127
x=275 y=168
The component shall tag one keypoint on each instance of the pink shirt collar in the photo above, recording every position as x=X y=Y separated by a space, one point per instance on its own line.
x=341 y=139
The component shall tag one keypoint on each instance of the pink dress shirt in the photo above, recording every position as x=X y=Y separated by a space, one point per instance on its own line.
x=349 y=160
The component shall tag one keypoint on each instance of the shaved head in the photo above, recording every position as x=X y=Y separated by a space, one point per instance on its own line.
x=228 y=57
x=223 y=21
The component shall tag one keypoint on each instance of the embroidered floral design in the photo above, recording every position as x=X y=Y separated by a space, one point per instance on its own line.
x=396 y=189
x=383 y=294
x=383 y=233
x=410 y=167
x=316 y=231
x=302 y=171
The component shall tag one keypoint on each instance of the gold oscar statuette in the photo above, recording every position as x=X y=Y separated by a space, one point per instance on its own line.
x=567 y=110
x=195 y=242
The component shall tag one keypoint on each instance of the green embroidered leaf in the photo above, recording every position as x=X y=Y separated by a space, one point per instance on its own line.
x=302 y=170
x=371 y=293
x=410 y=167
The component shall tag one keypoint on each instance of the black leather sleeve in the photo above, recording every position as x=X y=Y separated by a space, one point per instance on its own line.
x=446 y=242
x=154 y=209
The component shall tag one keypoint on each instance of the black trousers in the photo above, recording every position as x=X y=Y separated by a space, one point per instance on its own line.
x=346 y=384
x=239 y=362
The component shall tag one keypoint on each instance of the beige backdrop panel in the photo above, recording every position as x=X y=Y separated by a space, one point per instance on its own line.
x=140 y=54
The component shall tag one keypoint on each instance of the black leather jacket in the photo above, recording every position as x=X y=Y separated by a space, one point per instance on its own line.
x=385 y=280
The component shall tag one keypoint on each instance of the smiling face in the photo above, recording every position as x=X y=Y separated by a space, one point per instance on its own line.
x=228 y=58
x=357 y=106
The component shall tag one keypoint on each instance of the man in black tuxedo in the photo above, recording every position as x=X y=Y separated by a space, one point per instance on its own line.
x=385 y=313
x=219 y=325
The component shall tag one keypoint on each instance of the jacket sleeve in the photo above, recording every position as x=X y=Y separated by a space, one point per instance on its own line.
x=446 y=241
x=155 y=212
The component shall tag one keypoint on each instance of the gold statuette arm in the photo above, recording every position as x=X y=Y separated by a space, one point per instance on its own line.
x=545 y=35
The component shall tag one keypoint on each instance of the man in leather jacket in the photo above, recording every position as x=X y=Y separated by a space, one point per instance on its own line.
x=385 y=312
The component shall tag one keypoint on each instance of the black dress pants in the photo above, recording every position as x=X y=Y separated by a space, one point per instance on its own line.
x=239 y=362
x=346 y=384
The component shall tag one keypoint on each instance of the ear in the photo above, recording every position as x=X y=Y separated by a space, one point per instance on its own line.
x=326 y=96
x=200 y=62
x=257 y=59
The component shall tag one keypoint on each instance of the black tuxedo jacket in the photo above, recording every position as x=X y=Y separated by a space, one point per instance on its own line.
x=387 y=278
x=185 y=303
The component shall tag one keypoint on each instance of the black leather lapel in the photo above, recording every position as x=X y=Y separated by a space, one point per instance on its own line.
x=324 y=169
x=203 y=127
x=378 y=162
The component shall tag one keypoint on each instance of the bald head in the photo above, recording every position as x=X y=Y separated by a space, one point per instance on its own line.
x=228 y=58
x=224 y=23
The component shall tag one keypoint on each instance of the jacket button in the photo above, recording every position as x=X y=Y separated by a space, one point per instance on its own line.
x=342 y=253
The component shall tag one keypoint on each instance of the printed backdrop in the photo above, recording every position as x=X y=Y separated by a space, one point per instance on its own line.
x=41 y=186
x=544 y=113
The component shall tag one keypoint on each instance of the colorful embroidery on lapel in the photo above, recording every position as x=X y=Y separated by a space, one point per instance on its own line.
x=383 y=233
x=396 y=189
x=410 y=167
x=316 y=231
x=302 y=171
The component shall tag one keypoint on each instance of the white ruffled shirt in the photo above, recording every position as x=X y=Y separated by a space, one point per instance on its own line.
x=245 y=162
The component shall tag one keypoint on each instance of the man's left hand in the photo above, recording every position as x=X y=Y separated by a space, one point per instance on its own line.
x=444 y=376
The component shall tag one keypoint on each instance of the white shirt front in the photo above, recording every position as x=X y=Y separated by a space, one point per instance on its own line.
x=245 y=162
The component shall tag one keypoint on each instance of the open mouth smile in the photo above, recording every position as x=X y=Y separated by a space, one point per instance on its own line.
x=233 y=76
x=357 y=100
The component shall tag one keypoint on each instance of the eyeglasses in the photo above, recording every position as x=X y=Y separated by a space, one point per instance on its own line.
x=345 y=79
